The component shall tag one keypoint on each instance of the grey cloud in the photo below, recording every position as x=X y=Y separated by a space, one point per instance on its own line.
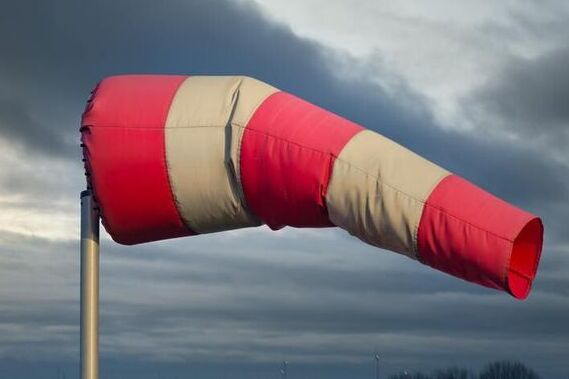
x=58 y=52
x=39 y=183
x=195 y=300
x=217 y=38
x=245 y=295
x=329 y=297
x=529 y=99
x=19 y=125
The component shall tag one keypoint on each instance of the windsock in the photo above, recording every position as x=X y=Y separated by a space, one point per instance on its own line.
x=172 y=156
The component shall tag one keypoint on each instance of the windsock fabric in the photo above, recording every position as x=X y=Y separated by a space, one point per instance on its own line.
x=171 y=156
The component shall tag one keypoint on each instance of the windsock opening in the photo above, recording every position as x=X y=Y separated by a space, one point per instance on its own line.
x=524 y=260
x=471 y=234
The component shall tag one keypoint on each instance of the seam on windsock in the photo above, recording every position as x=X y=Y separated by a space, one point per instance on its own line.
x=237 y=163
x=508 y=269
x=258 y=220
x=167 y=163
x=157 y=127
x=418 y=222
x=287 y=141
x=234 y=182
x=468 y=222
x=331 y=174
x=85 y=153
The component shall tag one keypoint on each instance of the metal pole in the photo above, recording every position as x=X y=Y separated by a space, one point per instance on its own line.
x=89 y=288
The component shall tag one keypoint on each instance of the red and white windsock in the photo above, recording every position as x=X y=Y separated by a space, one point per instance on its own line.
x=171 y=156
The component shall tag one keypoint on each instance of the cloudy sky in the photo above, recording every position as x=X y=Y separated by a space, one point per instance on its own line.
x=479 y=87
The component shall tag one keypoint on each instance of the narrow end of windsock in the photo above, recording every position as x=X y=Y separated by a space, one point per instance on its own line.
x=524 y=259
x=471 y=234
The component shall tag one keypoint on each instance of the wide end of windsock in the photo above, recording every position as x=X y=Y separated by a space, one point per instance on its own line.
x=171 y=156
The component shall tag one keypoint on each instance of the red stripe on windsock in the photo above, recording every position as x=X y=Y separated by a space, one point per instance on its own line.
x=287 y=154
x=123 y=133
x=471 y=234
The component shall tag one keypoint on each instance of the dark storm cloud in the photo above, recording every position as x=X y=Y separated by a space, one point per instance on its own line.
x=19 y=126
x=59 y=50
x=251 y=296
x=530 y=99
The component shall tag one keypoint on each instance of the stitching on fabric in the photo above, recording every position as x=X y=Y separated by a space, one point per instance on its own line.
x=152 y=127
x=286 y=141
x=418 y=222
x=227 y=149
x=237 y=167
x=507 y=269
x=166 y=164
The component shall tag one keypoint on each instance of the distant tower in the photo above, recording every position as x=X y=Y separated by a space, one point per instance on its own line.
x=284 y=370
x=376 y=365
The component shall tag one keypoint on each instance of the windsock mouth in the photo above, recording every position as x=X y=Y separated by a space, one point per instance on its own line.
x=524 y=260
